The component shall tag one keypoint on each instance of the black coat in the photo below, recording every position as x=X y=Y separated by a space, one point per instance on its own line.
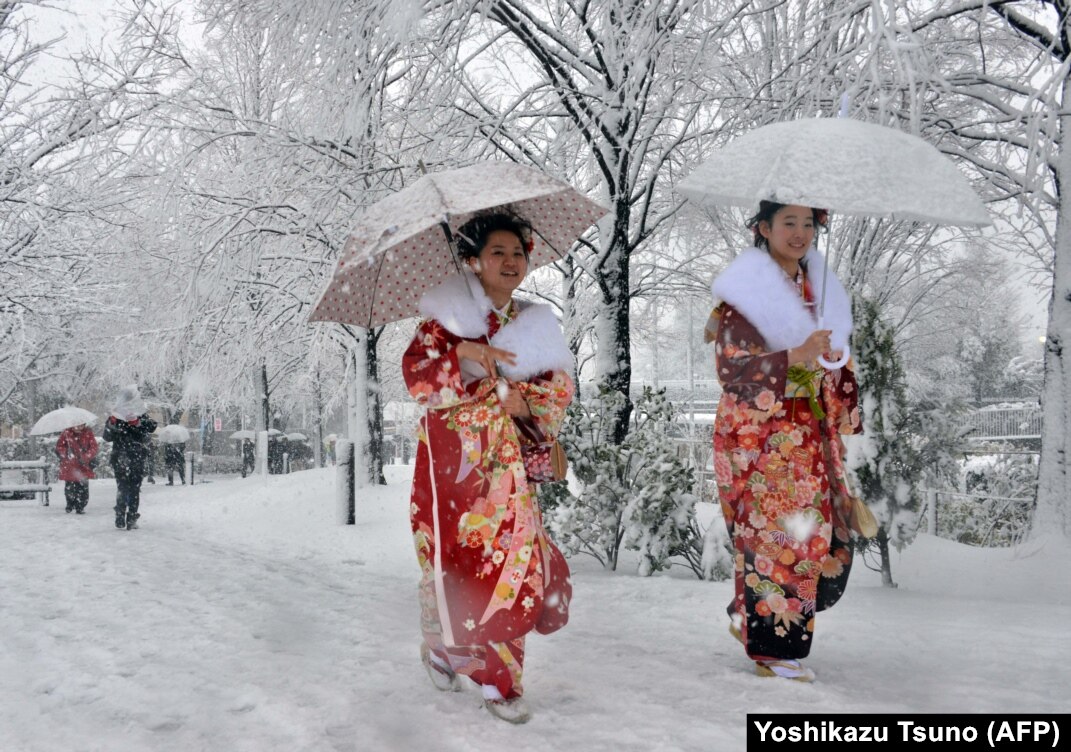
x=174 y=454
x=129 y=445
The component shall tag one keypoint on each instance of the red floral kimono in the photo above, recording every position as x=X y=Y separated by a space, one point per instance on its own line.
x=780 y=470
x=487 y=564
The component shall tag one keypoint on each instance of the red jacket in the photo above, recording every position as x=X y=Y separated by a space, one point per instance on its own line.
x=76 y=448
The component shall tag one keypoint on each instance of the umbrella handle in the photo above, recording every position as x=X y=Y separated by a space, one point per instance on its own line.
x=845 y=354
x=834 y=366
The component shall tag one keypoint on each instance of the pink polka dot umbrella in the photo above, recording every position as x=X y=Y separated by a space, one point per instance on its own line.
x=399 y=250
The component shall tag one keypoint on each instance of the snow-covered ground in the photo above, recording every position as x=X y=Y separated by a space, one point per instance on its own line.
x=242 y=617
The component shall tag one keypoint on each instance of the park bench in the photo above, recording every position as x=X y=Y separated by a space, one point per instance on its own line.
x=39 y=486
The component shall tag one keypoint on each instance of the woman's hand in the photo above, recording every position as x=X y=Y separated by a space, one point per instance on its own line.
x=815 y=345
x=485 y=355
x=514 y=404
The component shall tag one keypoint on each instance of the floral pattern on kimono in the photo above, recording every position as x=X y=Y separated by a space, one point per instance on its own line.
x=477 y=527
x=781 y=481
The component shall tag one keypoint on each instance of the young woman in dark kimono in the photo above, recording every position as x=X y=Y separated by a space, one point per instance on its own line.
x=778 y=455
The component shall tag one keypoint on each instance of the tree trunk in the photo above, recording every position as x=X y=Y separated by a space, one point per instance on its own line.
x=1054 y=484
x=31 y=414
x=359 y=419
x=260 y=389
x=264 y=405
x=375 y=410
x=612 y=326
x=570 y=320
x=318 y=449
x=886 y=560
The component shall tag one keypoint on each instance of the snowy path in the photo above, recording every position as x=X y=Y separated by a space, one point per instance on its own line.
x=241 y=618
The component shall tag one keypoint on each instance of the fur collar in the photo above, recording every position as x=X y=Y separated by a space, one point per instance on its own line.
x=534 y=334
x=459 y=304
x=756 y=286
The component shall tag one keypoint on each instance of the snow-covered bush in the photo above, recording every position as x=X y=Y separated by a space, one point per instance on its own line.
x=1024 y=376
x=996 y=507
x=637 y=494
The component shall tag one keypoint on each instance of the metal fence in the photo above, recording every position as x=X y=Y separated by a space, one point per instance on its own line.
x=1005 y=424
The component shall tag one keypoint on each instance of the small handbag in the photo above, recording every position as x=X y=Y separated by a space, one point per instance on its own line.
x=861 y=519
x=557 y=591
x=544 y=459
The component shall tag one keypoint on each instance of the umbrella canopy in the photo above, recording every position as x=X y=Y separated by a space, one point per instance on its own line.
x=129 y=404
x=173 y=434
x=331 y=437
x=243 y=434
x=297 y=436
x=398 y=249
x=274 y=432
x=62 y=419
x=840 y=164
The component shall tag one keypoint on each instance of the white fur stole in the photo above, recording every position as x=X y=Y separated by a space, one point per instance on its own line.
x=534 y=335
x=755 y=285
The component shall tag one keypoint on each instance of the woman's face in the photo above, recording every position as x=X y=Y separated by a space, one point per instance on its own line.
x=502 y=264
x=789 y=234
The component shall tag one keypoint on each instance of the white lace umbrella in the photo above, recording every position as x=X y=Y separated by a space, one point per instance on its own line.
x=840 y=164
x=398 y=249
x=297 y=436
x=243 y=434
x=61 y=419
x=173 y=434
x=844 y=165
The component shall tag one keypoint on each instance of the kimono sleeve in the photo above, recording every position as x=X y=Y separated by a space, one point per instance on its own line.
x=431 y=369
x=742 y=361
x=840 y=393
x=547 y=396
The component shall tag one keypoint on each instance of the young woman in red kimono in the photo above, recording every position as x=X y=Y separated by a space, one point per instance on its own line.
x=480 y=361
x=778 y=455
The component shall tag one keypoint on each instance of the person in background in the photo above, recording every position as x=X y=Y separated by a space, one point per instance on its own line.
x=77 y=450
x=127 y=429
x=150 y=459
x=175 y=459
x=249 y=457
x=276 y=448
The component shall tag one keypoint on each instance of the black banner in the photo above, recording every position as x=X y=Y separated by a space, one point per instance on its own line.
x=1006 y=731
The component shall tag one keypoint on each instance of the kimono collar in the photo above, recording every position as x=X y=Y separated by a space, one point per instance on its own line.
x=534 y=334
x=756 y=286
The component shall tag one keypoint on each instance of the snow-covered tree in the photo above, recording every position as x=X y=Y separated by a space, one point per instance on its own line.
x=1024 y=376
x=608 y=95
x=263 y=162
x=63 y=145
x=888 y=465
x=1017 y=81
